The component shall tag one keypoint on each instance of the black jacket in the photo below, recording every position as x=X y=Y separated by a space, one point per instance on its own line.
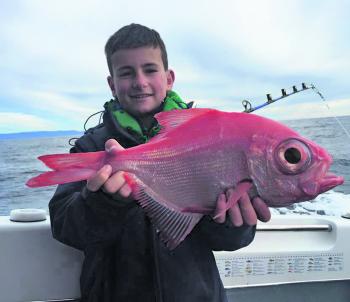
x=124 y=258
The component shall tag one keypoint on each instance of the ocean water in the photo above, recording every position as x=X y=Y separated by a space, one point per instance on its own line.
x=18 y=163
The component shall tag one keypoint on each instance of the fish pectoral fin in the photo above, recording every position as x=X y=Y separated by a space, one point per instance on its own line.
x=239 y=190
x=172 y=224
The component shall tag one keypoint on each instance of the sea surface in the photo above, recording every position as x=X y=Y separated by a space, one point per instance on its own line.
x=18 y=163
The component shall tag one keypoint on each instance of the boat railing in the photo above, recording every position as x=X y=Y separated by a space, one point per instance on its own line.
x=295 y=228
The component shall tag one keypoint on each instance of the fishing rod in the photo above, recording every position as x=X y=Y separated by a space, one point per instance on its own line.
x=248 y=106
x=284 y=93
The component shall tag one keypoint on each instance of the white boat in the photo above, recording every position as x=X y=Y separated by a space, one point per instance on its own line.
x=293 y=258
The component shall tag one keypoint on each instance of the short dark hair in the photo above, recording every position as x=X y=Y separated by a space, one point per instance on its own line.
x=134 y=36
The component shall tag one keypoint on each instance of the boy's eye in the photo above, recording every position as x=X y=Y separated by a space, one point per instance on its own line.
x=124 y=74
x=151 y=70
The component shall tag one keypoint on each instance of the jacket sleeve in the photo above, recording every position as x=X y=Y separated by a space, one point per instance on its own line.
x=225 y=236
x=81 y=218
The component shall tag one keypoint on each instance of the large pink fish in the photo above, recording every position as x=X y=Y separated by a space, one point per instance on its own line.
x=198 y=154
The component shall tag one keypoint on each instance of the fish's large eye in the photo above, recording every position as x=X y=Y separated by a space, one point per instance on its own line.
x=292 y=156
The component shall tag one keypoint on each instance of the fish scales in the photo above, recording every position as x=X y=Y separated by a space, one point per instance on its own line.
x=183 y=180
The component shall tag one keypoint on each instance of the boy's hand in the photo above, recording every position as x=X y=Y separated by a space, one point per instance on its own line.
x=111 y=183
x=245 y=211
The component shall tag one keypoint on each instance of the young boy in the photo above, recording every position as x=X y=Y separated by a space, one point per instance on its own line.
x=124 y=258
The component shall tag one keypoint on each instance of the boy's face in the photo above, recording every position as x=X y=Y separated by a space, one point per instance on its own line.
x=139 y=79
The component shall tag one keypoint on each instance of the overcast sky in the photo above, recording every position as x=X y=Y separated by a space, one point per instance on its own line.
x=53 y=70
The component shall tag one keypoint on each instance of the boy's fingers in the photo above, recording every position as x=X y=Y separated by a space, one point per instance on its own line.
x=234 y=211
x=125 y=190
x=220 y=205
x=261 y=209
x=114 y=183
x=96 y=182
x=235 y=215
x=247 y=210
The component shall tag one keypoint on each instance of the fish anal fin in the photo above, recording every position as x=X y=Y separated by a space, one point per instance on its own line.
x=172 y=224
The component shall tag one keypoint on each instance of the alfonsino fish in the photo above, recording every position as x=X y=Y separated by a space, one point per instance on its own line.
x=198 y=154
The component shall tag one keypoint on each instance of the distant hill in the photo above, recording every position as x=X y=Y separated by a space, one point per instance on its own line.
x=34 y=134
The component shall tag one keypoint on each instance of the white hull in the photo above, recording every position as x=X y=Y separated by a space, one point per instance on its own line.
x=293 y=258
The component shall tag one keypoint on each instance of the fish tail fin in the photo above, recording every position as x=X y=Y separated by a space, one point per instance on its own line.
x=240 y=189
x=89 y=160
x=59 y=177
x=68 y=167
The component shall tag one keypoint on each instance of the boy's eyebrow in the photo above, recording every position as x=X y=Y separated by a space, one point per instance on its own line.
x=150 y=65
x=124 y=67
x=121 y=68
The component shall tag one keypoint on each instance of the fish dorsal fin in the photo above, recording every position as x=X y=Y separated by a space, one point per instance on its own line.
x=172 y=224
x=170 y=120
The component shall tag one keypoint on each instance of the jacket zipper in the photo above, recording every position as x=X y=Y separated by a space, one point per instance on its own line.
x=157 y=281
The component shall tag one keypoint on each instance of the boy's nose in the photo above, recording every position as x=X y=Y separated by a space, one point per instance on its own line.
x=140 y=81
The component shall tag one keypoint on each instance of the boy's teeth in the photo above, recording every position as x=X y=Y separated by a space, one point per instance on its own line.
x=141 y=96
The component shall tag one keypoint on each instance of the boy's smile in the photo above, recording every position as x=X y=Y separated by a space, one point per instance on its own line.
x=139 y=79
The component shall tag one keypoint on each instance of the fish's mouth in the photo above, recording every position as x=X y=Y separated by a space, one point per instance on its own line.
x=330 y=181
x=323 y=184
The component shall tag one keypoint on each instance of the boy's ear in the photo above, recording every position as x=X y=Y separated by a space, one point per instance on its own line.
x=170 y=79
x=111 y=85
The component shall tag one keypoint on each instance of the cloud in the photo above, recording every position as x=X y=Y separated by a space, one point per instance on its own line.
x=49 y=109
x=53 y=61
x=58 y=104
x=288 y=36
x=11 y=122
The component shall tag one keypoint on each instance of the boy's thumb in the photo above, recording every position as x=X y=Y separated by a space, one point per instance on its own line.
x=112 y=146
